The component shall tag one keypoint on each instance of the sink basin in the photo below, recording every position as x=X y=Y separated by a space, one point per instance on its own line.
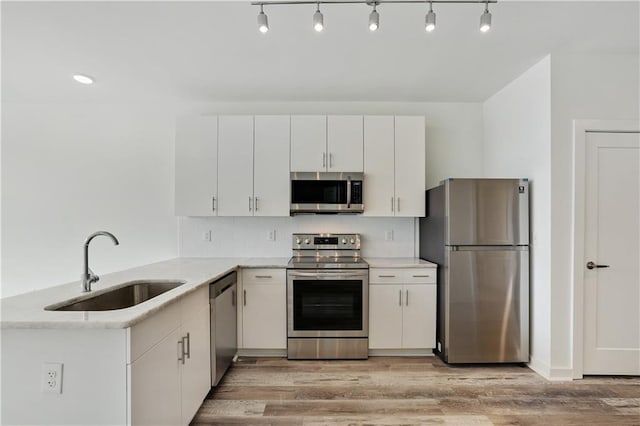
x=124 y=296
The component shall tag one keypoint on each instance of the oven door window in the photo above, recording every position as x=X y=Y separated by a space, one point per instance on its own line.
x=327 y=305
x=319 y=192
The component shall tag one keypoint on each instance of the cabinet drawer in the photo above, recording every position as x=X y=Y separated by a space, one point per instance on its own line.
x=264 y=275
x=420 y=276
x=385 y=276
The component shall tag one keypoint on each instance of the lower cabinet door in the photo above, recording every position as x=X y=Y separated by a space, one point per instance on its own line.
x=419 y=316
x=196 y=370
x=385 y=316
x=155 y=384
x=264 y=316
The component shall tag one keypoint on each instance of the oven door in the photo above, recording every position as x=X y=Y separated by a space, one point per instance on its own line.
x=323 y=303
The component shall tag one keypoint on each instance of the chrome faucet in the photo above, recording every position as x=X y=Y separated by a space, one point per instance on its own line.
x=88 y=277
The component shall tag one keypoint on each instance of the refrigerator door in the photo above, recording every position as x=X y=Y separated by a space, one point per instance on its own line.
x=487 y=212
x=486 y=305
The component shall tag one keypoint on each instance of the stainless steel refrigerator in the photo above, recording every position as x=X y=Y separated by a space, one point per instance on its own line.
x=477 y=231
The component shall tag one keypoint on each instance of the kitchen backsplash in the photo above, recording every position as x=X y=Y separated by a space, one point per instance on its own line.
x=249 y=236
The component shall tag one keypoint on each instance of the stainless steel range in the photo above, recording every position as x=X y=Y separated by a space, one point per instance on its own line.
x=327 y=298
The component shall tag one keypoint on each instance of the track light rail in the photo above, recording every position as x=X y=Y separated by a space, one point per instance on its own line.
x=369 y=2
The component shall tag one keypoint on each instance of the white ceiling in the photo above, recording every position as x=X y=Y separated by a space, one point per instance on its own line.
x=212 y=51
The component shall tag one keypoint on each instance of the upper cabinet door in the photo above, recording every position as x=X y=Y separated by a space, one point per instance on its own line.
x=235 y=169
x=344 y=143
x=271 y=166
x=410 y=166
x=378 y=166
x=196 y=159
x=308 y=143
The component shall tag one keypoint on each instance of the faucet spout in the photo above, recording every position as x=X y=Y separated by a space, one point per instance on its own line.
x=88 y=277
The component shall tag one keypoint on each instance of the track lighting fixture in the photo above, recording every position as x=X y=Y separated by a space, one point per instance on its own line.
x=318 y=19
x=430 y=19
x=374 y=19
x=485 y=19
x=263 y=22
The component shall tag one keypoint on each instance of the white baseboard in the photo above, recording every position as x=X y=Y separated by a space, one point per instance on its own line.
x=552 y=374
x=400 y=352
x=263 y=352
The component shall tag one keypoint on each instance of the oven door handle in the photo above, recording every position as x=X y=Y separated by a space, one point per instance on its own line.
x=349 y=192
x=327 y=274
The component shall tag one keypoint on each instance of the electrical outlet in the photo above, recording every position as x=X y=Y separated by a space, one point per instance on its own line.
x=52 y=377
x=271 y=235
x=206 y=235
x=388 y=235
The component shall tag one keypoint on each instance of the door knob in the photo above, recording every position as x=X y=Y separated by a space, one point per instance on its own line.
x=591 y=265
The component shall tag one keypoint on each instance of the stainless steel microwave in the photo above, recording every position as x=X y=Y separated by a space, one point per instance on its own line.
x=327 y=192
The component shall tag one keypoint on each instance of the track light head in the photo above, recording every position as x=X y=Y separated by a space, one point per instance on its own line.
x=374 y=19
x=485 y=19
x=318 y=20
x=430 y=20
x=263 y=22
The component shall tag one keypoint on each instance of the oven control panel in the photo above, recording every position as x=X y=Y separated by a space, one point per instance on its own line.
x=326 y=241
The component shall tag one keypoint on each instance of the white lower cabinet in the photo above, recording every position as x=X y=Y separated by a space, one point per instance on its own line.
x=402 y=308
x=264 y=309
x=171 y=377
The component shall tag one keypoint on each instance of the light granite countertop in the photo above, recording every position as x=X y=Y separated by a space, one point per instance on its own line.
x=27 y=311
x=398 y=262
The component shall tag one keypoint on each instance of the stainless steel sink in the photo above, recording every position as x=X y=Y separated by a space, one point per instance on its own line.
x=124 y=296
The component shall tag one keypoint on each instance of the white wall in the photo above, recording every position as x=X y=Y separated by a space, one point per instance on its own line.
x=69 y=170
x=584 y=86
x=517 y=133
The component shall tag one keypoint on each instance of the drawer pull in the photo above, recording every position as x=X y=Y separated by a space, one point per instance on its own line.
x=421 y=276
x=386 y=276
x=264 y=276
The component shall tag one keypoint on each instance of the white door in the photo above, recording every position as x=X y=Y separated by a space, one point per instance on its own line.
x=410 y=166
x=235 y=165
x=308 y=143
x=418 y=318
x=612 y=235
x=344 y=143
x=379 y=166
x=385 y=316
x=271 y=166
x=264 y=316
x=196 y=164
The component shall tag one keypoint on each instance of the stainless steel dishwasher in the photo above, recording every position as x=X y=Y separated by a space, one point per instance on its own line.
x=224 y=342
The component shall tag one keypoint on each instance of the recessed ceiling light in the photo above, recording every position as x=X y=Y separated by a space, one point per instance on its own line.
x=84 y=79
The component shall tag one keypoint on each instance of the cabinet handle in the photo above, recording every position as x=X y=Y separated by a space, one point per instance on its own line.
x=256 y=201
x=331 y=160
x=264 y=276
x=213 y=204
x=324 y=159
x=244 y=297
x=187 y=351
x=181 y=351
x=386 y=276
x=399 y=297
x=421 y=276
x=233 y=298
x=249 y=203
x=398 y=201
x=391 y=203
x=407 y=299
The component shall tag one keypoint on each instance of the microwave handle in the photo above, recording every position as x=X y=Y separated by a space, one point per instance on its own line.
x=349 y=192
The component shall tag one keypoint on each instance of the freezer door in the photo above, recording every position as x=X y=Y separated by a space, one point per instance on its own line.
x=487 y=306
x=487 y=212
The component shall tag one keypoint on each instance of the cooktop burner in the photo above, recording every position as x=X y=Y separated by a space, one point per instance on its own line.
x=326 y=251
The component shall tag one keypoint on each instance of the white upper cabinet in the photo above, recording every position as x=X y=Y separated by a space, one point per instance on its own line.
x=394 y=166
x=271 y=166
x=196 y=159
x=379 y=169
x=344 y=143
x=308 y=143
x=235 y=168
x=410 y=166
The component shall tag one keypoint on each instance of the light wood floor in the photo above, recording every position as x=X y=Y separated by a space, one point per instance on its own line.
x=411 y=391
